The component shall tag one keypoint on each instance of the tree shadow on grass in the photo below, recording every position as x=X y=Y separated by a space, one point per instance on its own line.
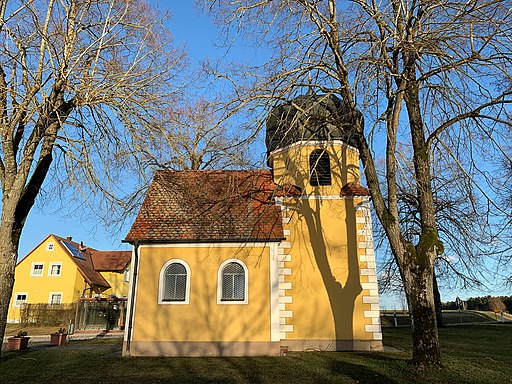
x=362 y=372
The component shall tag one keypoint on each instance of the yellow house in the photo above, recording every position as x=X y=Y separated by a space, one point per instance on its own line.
x=59 y=271
x=229 y=263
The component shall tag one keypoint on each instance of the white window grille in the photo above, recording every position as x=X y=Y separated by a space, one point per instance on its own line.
x=37 y=269
x=20 y=299
x=55 y=298
x=55 y=269
x=174 y=283
x=232 y=283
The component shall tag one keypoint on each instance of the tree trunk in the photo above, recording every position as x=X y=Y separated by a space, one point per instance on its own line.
x=419 y=288
x=8 y=256
x=418 y=261
x=437 y=302
x=16 y=204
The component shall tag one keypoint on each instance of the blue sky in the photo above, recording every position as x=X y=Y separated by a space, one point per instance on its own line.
x=196 y=31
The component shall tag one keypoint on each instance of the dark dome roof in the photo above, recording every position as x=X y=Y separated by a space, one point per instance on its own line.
x=308 y=117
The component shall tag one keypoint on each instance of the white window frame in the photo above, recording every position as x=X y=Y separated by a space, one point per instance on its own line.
x=161 y=282
x=51 y=266
x=50 y=246
x=32 y=269
x=15 y=301
x=219 y=284
x=55 y=293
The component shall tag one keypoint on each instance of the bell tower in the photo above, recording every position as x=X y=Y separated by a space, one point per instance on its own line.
x=309 y=146
x=328 y=297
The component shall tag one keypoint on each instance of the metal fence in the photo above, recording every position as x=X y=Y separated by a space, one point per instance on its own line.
x=100 y=314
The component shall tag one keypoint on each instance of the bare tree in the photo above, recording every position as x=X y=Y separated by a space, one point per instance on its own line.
x=432 y=75
x=506 y=222
x=79 y=81
x=194 y=135
x=465 y=226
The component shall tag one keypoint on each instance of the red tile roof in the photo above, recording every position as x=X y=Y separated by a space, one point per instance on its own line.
x=202 y=206
x=110 y=261
x=354 y=189
x=84 y=262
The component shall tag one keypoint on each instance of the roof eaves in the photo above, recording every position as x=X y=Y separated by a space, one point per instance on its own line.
x=185 y=241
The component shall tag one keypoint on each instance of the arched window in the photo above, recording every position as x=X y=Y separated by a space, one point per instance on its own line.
x=174 y=283
x=232 y=282
x=319 y=168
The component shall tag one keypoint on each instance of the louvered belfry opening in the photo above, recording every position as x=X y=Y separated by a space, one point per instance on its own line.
x=319 y=168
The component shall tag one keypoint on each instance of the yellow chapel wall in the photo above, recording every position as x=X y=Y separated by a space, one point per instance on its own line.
x=202 y=320
x=328 y=298
x=38 y=288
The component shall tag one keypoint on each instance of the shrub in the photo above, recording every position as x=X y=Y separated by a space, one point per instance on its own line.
x=46 y=314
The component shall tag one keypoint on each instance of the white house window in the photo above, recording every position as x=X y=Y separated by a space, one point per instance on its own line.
x=37 y=269
x=319 y=168
x=55 y=269
x=174 y=283
x=126 y=275
x=19 y=299
x=55 y=298
x=49 y=247
x=233 y=285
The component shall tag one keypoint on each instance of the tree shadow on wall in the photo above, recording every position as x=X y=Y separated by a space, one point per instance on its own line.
x=341 y=296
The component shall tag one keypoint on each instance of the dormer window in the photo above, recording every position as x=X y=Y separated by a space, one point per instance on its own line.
x=319 y=168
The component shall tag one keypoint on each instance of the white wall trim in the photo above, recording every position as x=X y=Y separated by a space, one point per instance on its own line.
x=219 y=283
x=274 y=294
x=161 y=283
x=372 y=299
x=322 y=197
x=316 y=143
x=132 y=300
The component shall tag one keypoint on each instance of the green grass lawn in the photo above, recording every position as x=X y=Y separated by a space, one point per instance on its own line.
x=471 y=353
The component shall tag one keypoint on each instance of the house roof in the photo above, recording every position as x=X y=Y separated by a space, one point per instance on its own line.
x=354 y=189
x=110 y=261
x=82 y=257
x=210 y=206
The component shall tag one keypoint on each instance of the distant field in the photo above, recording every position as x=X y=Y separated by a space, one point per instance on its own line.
x=449 y=317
